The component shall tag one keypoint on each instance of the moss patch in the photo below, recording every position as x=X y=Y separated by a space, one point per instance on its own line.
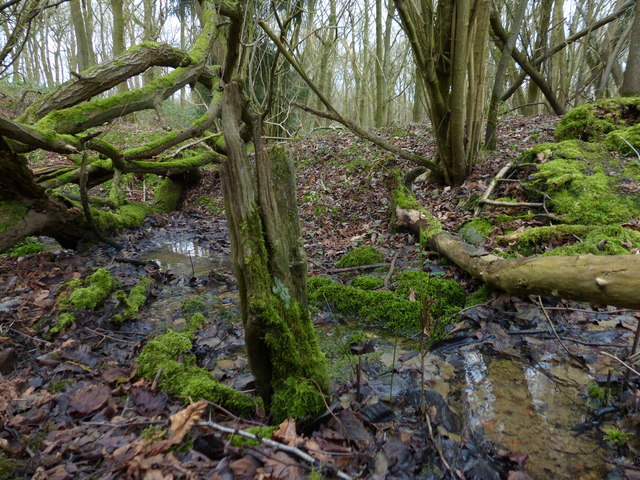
x=593 y=121
x=167 y=196
x=367 y=282
x=10 y=214
x=170 y=355
x=132 y=303
x=91 y=292
x=476 y=231
x=360 y=256
x=393 y=310
x=262 y=432
x=625 y=141
x=583 y=182
x=608 y=240
x=28 y=246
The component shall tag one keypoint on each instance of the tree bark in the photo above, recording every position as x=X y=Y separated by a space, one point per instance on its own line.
x=631 y=81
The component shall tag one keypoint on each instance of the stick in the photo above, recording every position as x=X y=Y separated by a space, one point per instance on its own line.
x=622 y=362
x=492 y=185
x=555 y=332
x=497 y=203
x=393 y=266
x=272 y=443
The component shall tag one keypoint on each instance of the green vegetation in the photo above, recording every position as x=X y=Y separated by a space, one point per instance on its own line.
x=475 y=231
x=132 y=303
x=261 y=432
x=28 y=246
x=583 y=181
x=87 y=294
x=360 y=256
x=393 y=310
x=591 y=122
x=169 y=355
x=367 y=282
x=617 y=436
x=625 y=141
x=10 y=214
x=480 y=296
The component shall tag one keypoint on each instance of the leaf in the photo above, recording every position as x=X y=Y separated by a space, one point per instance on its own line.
x=89 y=399
x=182 y=421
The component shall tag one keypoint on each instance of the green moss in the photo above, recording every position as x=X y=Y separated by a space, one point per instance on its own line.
x=132 y=303
x=130 y=215
x=475 y=231
x=480 y=296
x=393 y=310
x=64 y=321
x=9 y=467
x=593 y=121
x=445 y=296
x=215 y=206
x=625 y=141
x=609 y=240
x=583 y=182
x=261 y=432
x=366 y=255
x=297 y=398
x=28 y=246
x=10 y=214
x=367 y=282
x=169 y=356
x=97 y=287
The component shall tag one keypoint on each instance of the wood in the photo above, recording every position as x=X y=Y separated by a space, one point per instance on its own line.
x=607 y=280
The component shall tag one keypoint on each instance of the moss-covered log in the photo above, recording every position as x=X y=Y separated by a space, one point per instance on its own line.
x=607 y=280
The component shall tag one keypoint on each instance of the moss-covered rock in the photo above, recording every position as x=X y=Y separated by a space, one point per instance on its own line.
x=87 y=294
x=475 y=231
x=360 y=256
x=594 y=120
x=28 y=246
x=167 y=196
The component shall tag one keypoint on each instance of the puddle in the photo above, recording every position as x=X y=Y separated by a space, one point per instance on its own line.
x=532 y=410
x=188 y=258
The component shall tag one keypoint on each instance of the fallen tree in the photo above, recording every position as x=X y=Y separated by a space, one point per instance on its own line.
x=606 y=280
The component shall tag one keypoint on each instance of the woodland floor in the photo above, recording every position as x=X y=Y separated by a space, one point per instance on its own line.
x=71 y=405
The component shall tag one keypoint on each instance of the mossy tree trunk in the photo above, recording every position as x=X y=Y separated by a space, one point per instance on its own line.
x=270 y=265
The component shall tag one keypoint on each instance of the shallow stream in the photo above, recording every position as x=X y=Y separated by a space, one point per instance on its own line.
x=523 y=406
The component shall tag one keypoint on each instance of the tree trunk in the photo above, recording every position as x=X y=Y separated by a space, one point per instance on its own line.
x=631 y=82
x=83 y=42
x=448 y=40
x=270 y=266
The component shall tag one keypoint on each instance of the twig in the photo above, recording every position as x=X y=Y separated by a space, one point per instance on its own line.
x=272 y=443
x=555 y=332
x=235 y=417
x=191 y=144
x=622 y=362
x=133 y=261
x=492 y=185
x=387 y=279
x=29 y=336
x=497 y=203
x=361 y=267
x=109 y=336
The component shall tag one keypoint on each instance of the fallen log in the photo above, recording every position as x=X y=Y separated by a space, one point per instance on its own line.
x=606 y=280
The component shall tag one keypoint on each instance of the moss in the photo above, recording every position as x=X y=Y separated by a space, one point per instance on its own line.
x=97 y=287
x=296 y=398
x=194 y=305
x=476 y=231
x=480 y=296
x=539 y=235
x=366 y=255
x=608 y=240
x=367 y=282
x=583 y=182
x=215 y=206
x=168 y=357
x=129 y=215
x=593 y=121
x=28 y=246
x=10 y=214
x=445 y=296
x=133 y=302
x=390 y=309
x=625 y=141
x=9 y=467
x=261 y=432
x=64 y=321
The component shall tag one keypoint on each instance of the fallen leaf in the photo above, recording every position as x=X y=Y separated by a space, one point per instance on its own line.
x=89 y=399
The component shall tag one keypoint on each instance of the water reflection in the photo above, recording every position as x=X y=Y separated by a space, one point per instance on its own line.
x=186 y=257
